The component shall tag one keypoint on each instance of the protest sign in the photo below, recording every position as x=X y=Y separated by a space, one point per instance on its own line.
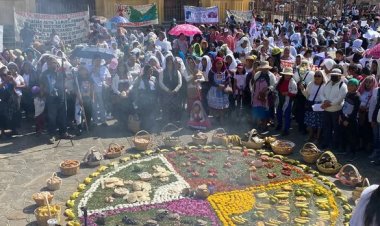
x=240 y=16
x=72 y=28
x=286 y=63
x=201 y=15
x=138 y=15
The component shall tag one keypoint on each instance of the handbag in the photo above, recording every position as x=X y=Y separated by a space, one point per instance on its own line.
x=309 y=103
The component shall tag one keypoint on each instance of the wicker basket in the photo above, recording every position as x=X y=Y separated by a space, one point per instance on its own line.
x=54 y=182
x=251 y=144
x=93 y=157
x=220 y=137
x=357 y=192
x=69 y=170
x=310 y=153
x=201 y=139
x=282 y=150
x=42 y=198
x=349 y=175
x=170 y=141
x=336 y=165
x=114 y=151
x=54 y=212
x=134 y=123
x=142 y=140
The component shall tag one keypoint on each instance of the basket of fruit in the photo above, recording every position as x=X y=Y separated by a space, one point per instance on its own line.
x=54 y=182
x=269 y=140
x=69 y=167
x=170 y=140
x=282 y=147
x=42 y=198
x=45 y=213
x=254 y=141
x=93 y=157
x=142 y=140
x=357 y=192
x=349 y=175
x=220 y=137
x=327 y=163
x=199 y=138
x=310 y=152
x=113 y=151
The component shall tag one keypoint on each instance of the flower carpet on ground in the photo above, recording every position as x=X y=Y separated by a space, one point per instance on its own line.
x=207 y=185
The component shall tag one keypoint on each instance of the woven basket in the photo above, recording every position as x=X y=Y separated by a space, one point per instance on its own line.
x=142 y=140
x=54 y=182
x=220 y=137
x=251 y=144
x=91 y=152
x=114 y=151
x=357 y=192
x=69 y=171
x=310 y=157
x=170 y=141
x=42 y=219
x=202 y=140
x=42 y=198
x=354 y=179
x=134 y=123
x=282 y=150
x=334 y=161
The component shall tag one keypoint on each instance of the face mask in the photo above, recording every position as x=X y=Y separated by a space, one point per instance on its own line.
x=334 y=78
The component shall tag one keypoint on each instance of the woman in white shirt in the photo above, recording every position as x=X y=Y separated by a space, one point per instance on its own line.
x=313 y=94
x=367 y=212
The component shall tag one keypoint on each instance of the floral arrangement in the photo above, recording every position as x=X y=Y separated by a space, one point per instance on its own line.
x=208 y=185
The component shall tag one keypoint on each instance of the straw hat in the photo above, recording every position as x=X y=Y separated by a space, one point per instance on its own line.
x=252 y=57
x=264 y=65
x=287 y=71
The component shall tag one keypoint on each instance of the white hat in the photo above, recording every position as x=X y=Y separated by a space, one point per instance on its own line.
x=336 y=71
x=328 y=63
x=357 y=46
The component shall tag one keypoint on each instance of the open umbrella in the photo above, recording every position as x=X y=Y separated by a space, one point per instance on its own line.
x=90 y=52
x=119 y=20
x=373 y=52
x=186 y=29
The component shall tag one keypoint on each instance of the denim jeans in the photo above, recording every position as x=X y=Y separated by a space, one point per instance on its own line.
x=287 y=116
x=56 y=110
x=376 y=141
x=331 y=130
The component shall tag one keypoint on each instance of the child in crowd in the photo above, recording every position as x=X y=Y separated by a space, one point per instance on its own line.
x=348 y=118
x=39 y=109
x=198 y=117
x=240 y=84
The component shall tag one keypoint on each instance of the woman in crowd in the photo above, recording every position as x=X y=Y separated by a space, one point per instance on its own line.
x=367 y=212
x=194 y=80
x=170 y=81
x=313 y=93
x=217 y=96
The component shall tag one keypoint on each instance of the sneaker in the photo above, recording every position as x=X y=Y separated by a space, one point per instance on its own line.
x=52 y=139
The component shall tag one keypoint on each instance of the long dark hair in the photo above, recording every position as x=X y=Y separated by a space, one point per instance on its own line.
x=372 y=211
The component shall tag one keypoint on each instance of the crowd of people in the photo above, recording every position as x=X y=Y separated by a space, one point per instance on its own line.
x=265 y=73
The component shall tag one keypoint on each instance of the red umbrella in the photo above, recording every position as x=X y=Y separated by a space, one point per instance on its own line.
x=186 y=29
x=374 y=51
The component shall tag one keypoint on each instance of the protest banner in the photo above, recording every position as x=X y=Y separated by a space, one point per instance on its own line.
x=201 y=15
x=286 y=63
x=138 y=15
x=240 y=16
x=72 y=28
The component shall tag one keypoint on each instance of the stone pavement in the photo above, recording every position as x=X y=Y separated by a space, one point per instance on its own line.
x=27 y=161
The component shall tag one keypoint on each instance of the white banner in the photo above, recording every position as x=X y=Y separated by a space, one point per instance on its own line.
x=201 y=15
x=240 y=16
x=72 y=28
x=1 y=38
